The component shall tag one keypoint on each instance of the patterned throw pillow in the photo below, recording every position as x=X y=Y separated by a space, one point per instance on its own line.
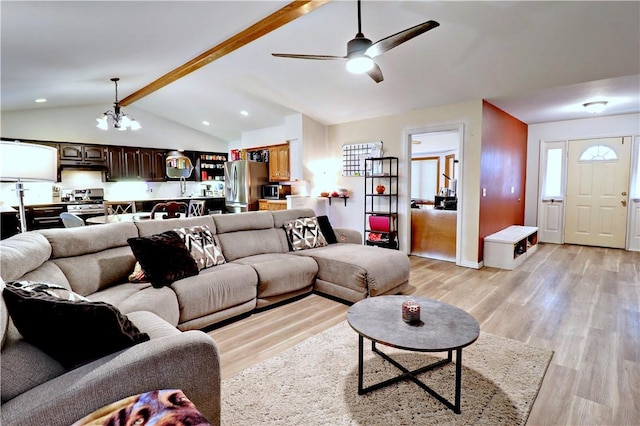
x=203 y=245
x=304 y=233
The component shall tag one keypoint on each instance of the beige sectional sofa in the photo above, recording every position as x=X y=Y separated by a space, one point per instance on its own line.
x=95 y=262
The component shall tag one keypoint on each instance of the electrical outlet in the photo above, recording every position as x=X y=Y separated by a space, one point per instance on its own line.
x=484 y=192
x=513 y=189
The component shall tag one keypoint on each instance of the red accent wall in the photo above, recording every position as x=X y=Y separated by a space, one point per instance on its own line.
x=503 y=165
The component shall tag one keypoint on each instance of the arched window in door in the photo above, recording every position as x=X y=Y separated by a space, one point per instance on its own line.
x=598 y=153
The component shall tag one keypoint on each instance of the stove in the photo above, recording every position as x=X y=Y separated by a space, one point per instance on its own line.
x=86 y=208
x=87 y=202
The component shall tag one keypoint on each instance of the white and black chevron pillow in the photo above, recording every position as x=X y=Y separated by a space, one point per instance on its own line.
x=304 y=233
x=203 y=245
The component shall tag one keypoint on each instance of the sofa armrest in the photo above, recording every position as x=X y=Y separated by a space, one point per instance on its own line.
x=189 y=361
x=345 y=235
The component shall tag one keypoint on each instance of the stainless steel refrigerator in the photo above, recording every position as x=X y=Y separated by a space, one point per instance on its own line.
x=243 y=184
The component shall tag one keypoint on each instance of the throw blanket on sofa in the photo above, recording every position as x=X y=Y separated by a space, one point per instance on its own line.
x=168 y=406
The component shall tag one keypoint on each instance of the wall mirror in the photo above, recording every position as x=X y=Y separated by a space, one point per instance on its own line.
x=178 y=165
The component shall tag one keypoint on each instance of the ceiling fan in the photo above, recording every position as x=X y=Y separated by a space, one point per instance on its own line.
x=361 y=51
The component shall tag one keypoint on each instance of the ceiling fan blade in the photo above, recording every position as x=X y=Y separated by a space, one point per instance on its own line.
x=318 y=57
x=396 y=39
x=376 y=73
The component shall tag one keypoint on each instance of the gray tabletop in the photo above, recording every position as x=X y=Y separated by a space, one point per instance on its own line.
x=442 y=326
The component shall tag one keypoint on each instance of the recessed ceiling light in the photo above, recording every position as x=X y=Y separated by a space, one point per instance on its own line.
x=41 y=100
x=595 y=107
x=206 y=123
x=243 y=112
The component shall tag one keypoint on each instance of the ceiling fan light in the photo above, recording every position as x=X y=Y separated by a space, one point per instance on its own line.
x=124 y=121
x=595 y=107
x=359 y=64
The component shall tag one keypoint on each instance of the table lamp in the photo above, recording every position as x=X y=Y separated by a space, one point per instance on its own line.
x=26 y=162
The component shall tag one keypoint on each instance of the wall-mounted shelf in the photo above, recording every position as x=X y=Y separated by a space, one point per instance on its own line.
x=340 y=196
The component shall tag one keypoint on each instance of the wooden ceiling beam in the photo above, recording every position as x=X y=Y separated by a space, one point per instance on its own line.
x=277 y=19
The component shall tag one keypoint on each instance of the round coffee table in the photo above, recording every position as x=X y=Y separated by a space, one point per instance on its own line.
x=443 y=328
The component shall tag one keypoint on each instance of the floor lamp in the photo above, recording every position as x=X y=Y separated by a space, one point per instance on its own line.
x=26 y=162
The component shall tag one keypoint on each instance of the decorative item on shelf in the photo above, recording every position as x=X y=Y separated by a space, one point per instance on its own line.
x=380 y=189
x=343 y=192
x=411 y=311
x=121 y=121
x=324 y=194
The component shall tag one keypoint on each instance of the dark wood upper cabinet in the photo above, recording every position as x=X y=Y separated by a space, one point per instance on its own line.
x=152 y=164
x=80 y=154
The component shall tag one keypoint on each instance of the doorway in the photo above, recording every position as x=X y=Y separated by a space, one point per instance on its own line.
x=584 y=191
x=435 y=210
x=597 y=192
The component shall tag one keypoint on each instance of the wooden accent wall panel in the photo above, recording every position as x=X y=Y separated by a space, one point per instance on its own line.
x=503 y=167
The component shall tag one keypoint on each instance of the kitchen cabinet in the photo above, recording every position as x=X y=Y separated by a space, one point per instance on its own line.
x=123 y=163
x=152 y=164
x=81 y=154
x=44 y=216
x=279 y=163
x=272 y=205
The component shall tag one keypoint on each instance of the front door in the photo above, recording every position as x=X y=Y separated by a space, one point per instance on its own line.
x=597 y=192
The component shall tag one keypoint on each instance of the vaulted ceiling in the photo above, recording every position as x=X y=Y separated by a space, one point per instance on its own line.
x=539 y=61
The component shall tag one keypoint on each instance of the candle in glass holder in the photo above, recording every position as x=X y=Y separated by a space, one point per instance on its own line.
x=410 y=311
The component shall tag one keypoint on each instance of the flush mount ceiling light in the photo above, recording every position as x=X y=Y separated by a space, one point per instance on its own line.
x=121 y=121
x=595 y=107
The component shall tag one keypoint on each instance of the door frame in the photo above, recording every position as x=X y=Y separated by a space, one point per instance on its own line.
x=405 y=198
x=634 y=169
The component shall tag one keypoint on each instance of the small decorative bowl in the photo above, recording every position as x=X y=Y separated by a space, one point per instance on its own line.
x=324 y=194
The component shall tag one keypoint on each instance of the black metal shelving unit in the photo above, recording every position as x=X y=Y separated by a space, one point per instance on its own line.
x=381 y=207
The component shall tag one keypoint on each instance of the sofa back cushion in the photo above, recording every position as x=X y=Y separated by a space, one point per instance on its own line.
x=247 y=234
x=68 y=242
x=92 y=257
x=22 y=253
x=157 y=226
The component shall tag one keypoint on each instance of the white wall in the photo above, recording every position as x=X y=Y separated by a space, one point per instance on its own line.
x=392 y=131
x=597 y=127
x=79 y=125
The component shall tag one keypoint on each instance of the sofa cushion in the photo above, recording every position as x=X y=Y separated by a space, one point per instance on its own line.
x=88 y=273
x=23 y=253
x=203 y=245
x=281 y=273
x=164 y=257
x=214 y=290
x=24 y=367
x=304 y=233
x=129 y=297
x=72 y=331
x=152 y=227
x=68 y=242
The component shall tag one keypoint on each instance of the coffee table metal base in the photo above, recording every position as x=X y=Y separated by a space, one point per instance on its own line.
x=411 y=374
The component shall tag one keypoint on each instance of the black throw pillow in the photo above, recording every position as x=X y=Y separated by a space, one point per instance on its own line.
x=73 y=332
x=164 y=258
x=327 y=229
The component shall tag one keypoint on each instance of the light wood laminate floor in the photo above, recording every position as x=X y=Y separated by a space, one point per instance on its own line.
x=582 y=302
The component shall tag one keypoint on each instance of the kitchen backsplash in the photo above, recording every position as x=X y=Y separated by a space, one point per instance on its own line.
x=41 y=192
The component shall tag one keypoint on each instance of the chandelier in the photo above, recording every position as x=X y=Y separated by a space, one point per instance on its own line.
x=121 y=121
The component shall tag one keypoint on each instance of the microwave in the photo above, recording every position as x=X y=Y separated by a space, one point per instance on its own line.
x=275 y=191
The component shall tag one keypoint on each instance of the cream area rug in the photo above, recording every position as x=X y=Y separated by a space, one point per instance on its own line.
x=316 y=383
